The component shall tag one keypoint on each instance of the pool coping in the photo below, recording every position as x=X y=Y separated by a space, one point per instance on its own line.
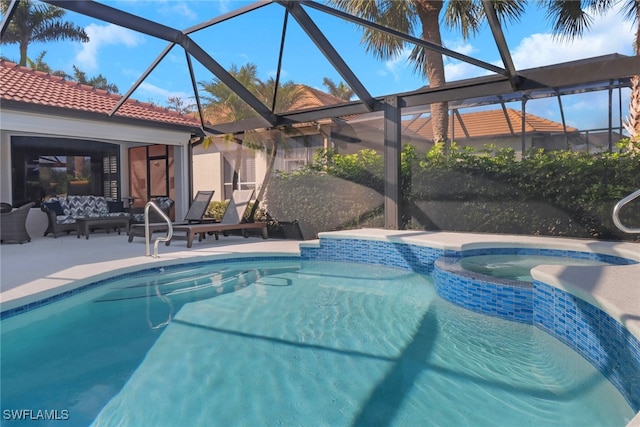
x=80 y=276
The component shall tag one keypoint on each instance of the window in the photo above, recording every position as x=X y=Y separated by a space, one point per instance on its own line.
x=44 y=167
x=246 y=177
x=298 y=152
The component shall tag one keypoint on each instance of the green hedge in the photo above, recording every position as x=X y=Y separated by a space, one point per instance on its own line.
x=556 y=193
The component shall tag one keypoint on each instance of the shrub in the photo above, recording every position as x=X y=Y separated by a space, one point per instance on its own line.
x=558 y=193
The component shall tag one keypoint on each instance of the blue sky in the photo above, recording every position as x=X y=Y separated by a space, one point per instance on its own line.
x=122 y=55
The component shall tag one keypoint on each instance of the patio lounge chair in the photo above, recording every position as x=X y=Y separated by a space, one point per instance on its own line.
x=231 y=220
x=13 y=225
x=195 y=214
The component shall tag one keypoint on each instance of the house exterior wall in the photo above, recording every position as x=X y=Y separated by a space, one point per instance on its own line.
x=207 y=173
x=514 y=142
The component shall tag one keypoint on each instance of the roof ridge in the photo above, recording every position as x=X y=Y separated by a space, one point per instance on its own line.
x=47 y=75
x=317 y=92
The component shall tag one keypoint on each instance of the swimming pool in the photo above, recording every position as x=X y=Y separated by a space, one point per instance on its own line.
x=291 y=342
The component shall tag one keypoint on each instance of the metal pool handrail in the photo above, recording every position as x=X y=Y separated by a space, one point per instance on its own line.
x=147 y=235
x=616 y=212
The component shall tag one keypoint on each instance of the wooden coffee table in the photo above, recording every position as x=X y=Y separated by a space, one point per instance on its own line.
x=85 y=225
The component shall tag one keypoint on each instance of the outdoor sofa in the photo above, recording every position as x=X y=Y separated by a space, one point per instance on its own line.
x=62 y=212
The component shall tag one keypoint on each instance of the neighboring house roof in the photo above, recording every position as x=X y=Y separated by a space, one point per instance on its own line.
x=313 y=98
x=308 y=98
x=24 y=86
x=491 y=123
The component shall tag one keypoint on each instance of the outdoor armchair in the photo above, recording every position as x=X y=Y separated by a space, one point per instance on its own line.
x=13 y=225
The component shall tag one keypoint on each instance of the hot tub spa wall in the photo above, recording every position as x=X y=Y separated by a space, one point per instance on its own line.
x=591 y=332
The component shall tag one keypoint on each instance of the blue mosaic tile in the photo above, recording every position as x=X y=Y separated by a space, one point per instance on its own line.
x=390 y=254
x=589 y=331
x=592 y=333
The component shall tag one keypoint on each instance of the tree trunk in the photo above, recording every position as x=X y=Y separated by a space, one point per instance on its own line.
x=634 y=102
x=433 y=66
x=633 y=123
x=23 y=53
x=275 y=138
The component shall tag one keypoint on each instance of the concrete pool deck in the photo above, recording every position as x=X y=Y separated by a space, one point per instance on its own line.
x=48 y=266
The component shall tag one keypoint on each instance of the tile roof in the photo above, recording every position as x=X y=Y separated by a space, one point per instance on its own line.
x=491 y=123
x=22 y=84
x=313 y=98
x=308 y=98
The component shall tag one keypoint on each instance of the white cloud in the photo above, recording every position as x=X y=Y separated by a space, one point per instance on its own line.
x=609 y=34
x=147 y=91
x=182 y=8
x=396 y=66
x=461 y=46
x=284 y=74
x=457 y=70
x=224 y=5
x=99 y=37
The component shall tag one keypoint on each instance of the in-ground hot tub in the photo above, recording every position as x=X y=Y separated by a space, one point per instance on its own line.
x=518 y=267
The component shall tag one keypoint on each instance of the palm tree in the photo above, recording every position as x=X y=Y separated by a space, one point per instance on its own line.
x=221 y=103
x=633 y=122
x=423 y=17
x=224 y=105
x=340 y=90
x=39 y=64
x=38 y=22
x=98 y=82
x=570 y=19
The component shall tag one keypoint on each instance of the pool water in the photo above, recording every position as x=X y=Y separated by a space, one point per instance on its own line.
x=290 y=343
x=517 y=267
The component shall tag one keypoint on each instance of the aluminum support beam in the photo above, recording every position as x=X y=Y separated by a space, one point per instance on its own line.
x=145 y=26
x=561 y=76
x=501 y=43
x=392 y=155
x=227 y=16
x=7 y=18
x=327 y=49
x=427 y=45
x=144 y=75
